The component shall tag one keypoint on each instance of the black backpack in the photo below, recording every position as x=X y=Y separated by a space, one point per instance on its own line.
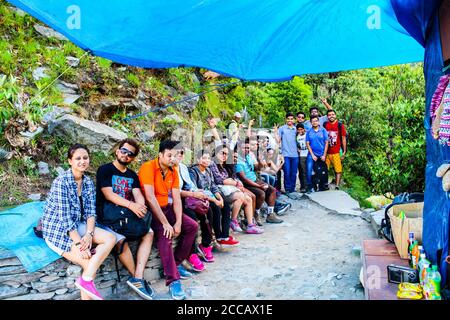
x=385 y=229
x=320 y=176
x=123 y=221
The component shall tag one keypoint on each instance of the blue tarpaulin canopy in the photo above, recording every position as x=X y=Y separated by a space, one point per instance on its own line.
x=269 y=40
x=265 y=40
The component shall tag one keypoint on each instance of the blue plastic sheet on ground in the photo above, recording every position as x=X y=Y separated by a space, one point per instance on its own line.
x=17 y=235
x=268 y=40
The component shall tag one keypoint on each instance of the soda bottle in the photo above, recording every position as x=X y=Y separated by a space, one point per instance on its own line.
x=410 y=242
x=415 y=254
x=432 y=287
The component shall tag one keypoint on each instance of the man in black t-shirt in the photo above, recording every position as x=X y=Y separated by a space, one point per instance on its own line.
x=120 y=185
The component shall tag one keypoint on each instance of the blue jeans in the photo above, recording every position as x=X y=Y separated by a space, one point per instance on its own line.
x=269 y=179
x=309 y=170
x=290 y=169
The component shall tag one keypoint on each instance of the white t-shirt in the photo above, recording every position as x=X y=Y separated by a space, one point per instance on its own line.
x=301 y=145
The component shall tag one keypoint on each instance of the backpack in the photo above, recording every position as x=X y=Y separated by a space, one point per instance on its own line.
x=320 y=176
x=123 y=221
x=339 y=133
x=385 y=228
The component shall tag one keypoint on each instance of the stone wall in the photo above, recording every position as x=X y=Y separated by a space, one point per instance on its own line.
x=56 y=281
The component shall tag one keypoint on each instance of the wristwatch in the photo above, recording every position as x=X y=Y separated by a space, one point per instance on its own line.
x=91 y=233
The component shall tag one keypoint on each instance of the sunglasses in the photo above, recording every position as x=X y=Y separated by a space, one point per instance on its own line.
x=127 y=152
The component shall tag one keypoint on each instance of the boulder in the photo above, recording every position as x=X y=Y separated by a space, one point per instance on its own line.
x=8 y=292
x=55 y=113
x=147 y=136
x=43 y=168
x=35 y=197
x=189 y=105
x=40 y=73
x=49 y=32
x=96 y=136
x=72 y=61
x=34 y=296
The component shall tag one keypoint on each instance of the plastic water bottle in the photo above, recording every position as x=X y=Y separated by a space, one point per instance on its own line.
x=432 y=288
x=423 y=265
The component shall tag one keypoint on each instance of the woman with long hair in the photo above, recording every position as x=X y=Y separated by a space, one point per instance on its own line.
x=233 y=189
x=68 y=222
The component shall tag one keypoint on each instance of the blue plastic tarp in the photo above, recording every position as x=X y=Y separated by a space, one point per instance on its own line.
x=17 y=235
x=267 y=40
x=420 y=18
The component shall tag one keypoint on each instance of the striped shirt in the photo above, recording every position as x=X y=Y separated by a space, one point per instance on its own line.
x=62 y=211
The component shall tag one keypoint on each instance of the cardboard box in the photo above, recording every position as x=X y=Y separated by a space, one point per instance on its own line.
x=401 y=228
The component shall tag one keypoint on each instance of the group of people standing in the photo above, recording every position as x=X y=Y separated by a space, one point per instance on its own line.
x=310 y=147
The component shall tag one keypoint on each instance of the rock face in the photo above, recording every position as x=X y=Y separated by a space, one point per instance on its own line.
x=96 y=136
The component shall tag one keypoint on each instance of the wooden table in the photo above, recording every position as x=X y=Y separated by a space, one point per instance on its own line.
x=377 y=255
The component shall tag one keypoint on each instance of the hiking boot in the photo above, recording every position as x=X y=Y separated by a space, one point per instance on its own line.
x=197 y=265
x=234 y=224
x=257 y=220
x=184 y=274
x=281 y=208
x=272 y=218
x=206 y=253
x=253 y=229
x=176 y=290
x=141 y=287
x=230 y=241
x=302 y=190
x=89 y=288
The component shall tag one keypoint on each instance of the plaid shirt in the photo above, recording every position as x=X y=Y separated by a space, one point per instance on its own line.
x=62 y=212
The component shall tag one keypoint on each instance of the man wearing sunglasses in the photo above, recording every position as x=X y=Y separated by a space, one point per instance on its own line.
x=120 y=185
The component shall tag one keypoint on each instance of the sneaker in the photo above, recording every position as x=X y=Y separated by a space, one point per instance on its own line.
x=272 y=218
x=253 y=229
x=141 y=287
x=206 y=253
x=336 y=188
x=176 y=290
x=258 y=221
x=230 y=241
x=197 y=265
x=281 y=208
x=184 y=274
x=302 y=190
x=234 y=224
x=88 y=287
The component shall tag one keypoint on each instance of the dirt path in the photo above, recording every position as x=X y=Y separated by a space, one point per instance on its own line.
x=312 y=255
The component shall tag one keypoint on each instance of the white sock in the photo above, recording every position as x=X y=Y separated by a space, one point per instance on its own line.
x=87 y=278
x=270 y=210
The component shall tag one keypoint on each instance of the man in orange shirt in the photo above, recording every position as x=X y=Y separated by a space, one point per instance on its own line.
x=160 y=184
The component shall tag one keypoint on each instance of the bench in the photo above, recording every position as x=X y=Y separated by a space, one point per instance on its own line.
x=377 y=255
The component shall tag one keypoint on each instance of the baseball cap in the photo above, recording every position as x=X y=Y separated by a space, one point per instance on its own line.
x=237 y=114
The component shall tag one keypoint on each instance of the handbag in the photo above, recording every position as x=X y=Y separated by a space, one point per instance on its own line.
x=125 y=222
x=200 y=206
x=228 y=190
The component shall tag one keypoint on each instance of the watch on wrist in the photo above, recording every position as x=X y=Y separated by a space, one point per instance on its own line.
x=91 y=233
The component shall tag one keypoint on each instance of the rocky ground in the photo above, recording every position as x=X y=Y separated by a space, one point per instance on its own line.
x=313 y=255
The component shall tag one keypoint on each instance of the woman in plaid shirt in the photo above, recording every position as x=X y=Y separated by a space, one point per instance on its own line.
x=68 y=222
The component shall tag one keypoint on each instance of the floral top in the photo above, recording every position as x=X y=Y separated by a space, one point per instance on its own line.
x=62 y=211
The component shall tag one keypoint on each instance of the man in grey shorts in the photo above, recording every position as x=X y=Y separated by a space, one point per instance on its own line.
x=120 y=185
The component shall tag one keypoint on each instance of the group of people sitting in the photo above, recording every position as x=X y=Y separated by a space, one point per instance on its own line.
x=232 y=185
x=221 y=192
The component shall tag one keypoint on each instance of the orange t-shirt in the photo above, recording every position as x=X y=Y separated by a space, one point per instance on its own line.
x=150 y=173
